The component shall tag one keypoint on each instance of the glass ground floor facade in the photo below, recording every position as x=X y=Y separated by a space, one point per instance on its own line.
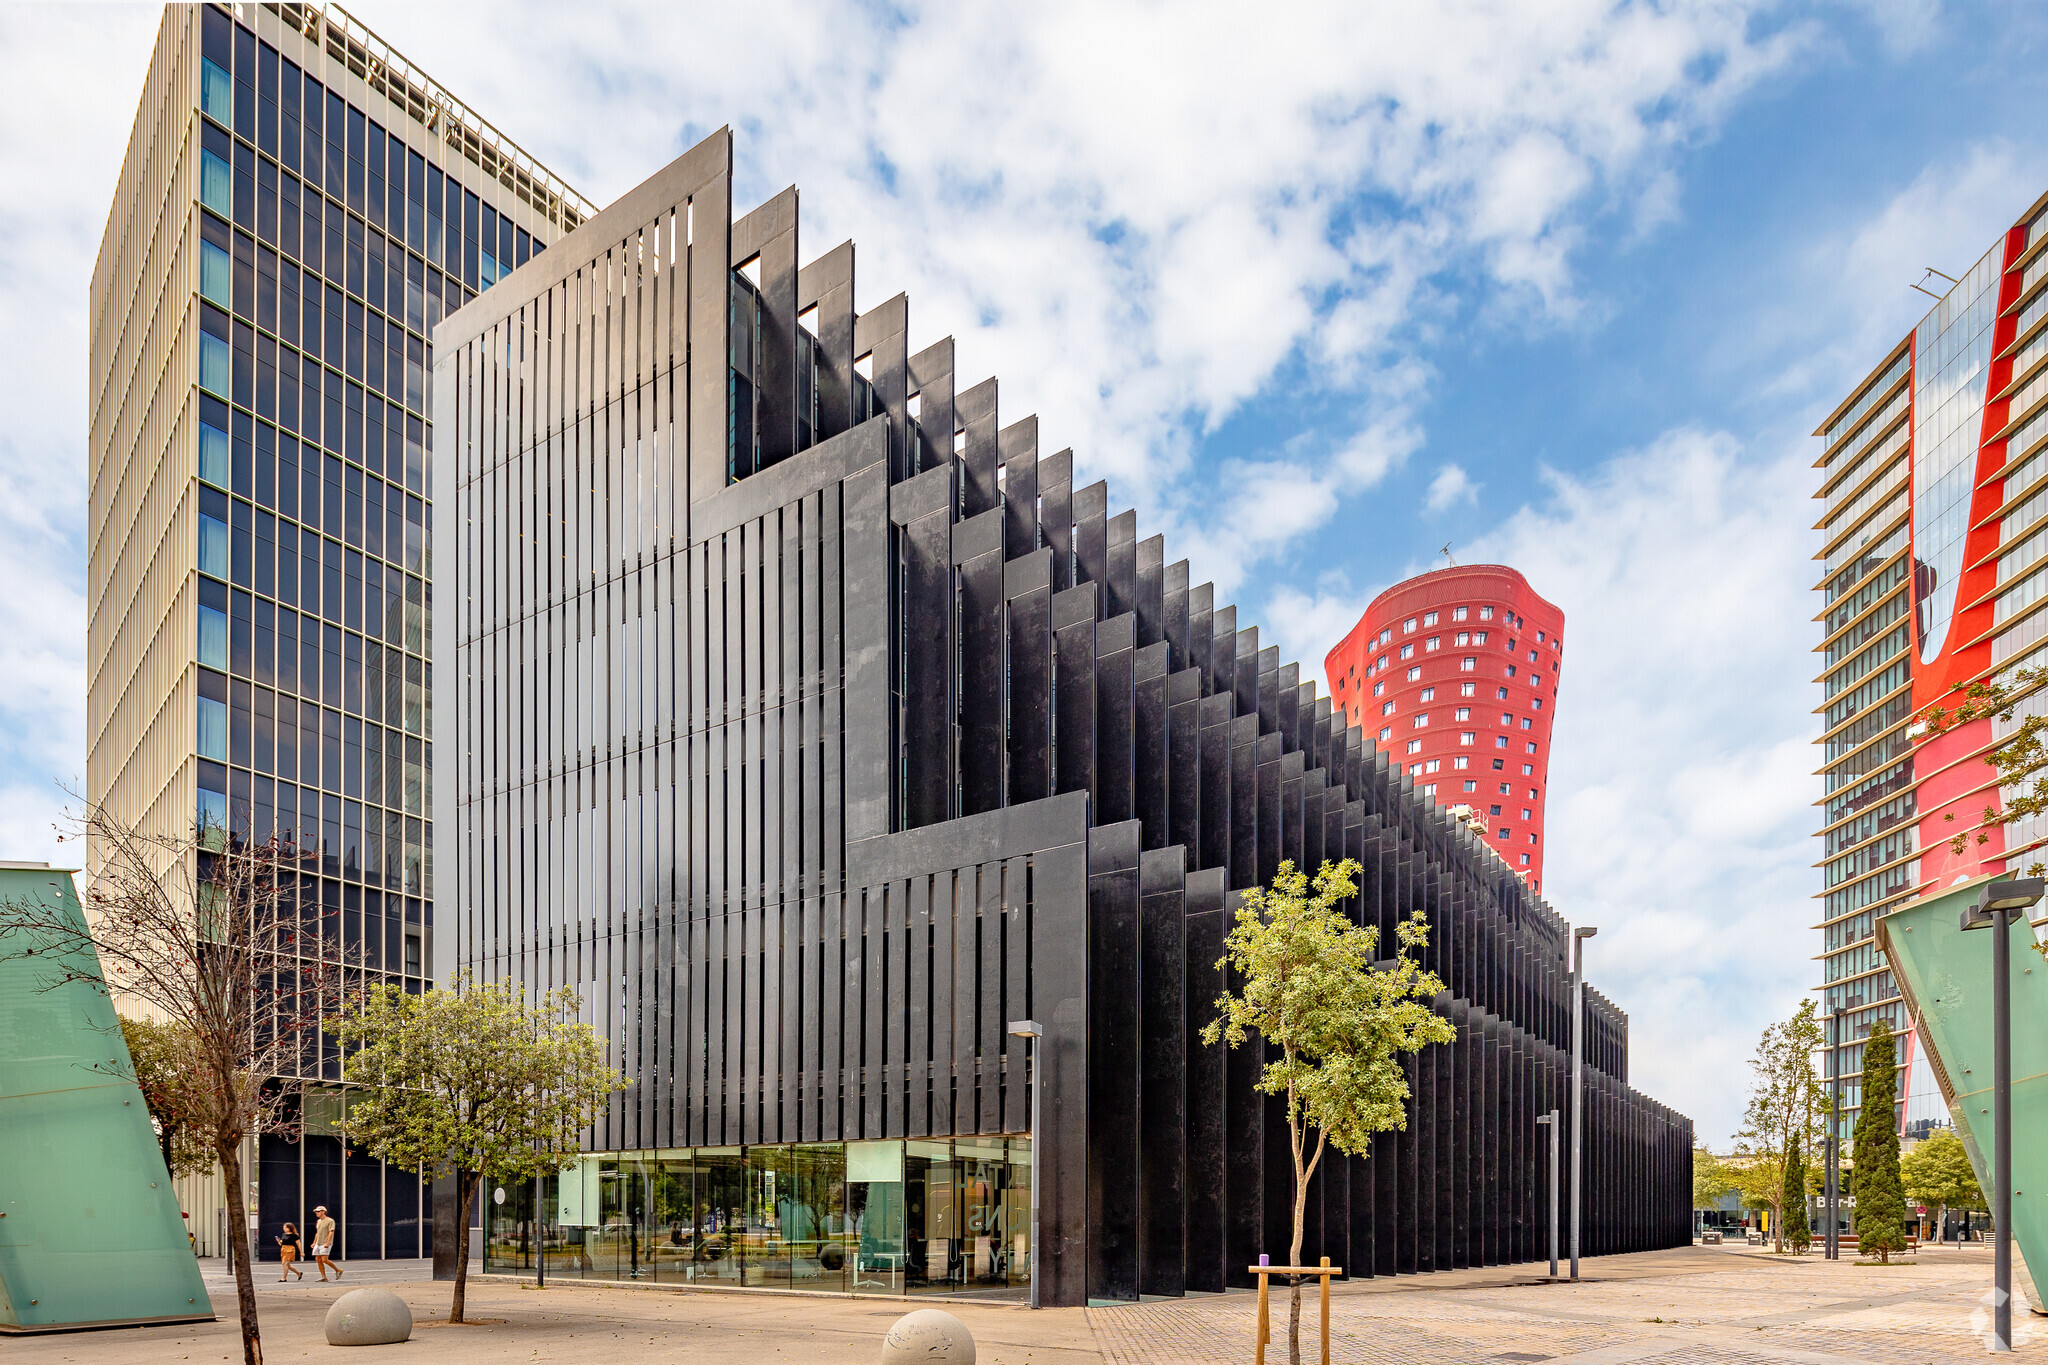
x=922 y=1215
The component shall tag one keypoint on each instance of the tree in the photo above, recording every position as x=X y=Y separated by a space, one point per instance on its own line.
x=1338 y=1023
x=1880 y=1201
x=1783 y=1116
x=1712 y=1177
x=1797 y=1230
x=202 y=930
x=161 y=1055
x=1937 y=1171
x=473 y=1080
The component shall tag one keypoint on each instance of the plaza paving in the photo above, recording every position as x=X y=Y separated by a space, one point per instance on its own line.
x=1690 y=1306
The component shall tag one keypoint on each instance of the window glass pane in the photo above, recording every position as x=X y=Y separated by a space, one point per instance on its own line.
x=216 y=184
x=216 y=93
x=213 y=729
x=211 y=817
x=213 y=637
x=213 y=546
x=213 y=454
x=216 y=364
x=216 y=273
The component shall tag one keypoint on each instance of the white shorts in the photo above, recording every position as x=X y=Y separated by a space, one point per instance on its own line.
x=321 y=1248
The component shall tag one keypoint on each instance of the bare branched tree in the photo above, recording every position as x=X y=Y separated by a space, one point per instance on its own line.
x=208 y=933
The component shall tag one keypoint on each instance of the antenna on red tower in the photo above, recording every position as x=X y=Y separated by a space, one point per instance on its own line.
x=1446 y=553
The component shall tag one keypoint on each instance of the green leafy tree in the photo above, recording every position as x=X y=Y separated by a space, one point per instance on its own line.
x=1783 y=1116
x=1713 y=1177
x=473 y=1080
x=162 y=1056
x=1937 y=1171
x=1880 y=1198
x=1797 y=1232
x=1335 y=1025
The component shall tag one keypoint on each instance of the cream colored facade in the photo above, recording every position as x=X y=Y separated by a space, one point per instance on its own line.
x=144 y=571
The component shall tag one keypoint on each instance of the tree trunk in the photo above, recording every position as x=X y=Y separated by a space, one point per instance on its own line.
x=240 y=1252
x=465 y=1187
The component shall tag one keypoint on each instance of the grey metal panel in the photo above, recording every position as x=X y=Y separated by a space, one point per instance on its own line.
x=883 y=333
x=1114 y=1019
x=1123 y=564
x=923 y=507
x=1091 y=536
x=1207 y=1252
x=1015 y=832
x=822 y=466
x=916 y=1011
x=770 y=232
x=1184 y=761
x=1056 y=514
x=1149 y=600
x=975 y=412
x=1027 y=587
x=1162 y=1067
x=877 y=903
x=1059 y=963
x=1173 y=617
x=931 y=378
x=994 y=1026
x=978 y=551
x=1021 y=998
x=827 y=285
x=1074 y=650
x=1114 y=705
x=939 y=1045
x=710 y=254
x=1149 y=759
x=864 y=556
x=1018 y=446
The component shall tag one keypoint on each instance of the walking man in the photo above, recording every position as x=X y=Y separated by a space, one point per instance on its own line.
x=323 y=1242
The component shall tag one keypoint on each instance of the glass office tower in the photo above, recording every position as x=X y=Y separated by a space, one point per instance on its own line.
x=297 y=209
x=1934 y=492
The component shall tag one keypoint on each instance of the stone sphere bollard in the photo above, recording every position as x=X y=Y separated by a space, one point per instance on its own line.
x=369 y=1317
x=928 y=1335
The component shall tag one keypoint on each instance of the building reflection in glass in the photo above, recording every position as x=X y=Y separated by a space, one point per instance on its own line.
x=947 y=1215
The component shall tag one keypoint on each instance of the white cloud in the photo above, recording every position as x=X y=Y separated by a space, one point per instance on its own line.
x=1138 y=246
x=1451 y=486
x=1681 y=783
x=67 y=101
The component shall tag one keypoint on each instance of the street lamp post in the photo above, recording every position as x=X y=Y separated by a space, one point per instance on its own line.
x=1549 y=1121
x=1031 y=1033
x=1993 y=911
x=1834 y=1241
x=1579 y=937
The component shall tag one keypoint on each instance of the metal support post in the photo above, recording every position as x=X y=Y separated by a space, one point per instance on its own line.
x=1034 y=1057
x=1579 y=937
x=1549 y=1121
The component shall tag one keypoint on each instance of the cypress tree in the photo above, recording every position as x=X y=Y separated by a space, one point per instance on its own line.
x=1798 y=1231
x=1880 y=1194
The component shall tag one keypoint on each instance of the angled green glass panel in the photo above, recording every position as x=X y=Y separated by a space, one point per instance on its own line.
x=91 y=1232
x=1944 y=974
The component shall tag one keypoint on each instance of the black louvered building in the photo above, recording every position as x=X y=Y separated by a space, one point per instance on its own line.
x=815 y=724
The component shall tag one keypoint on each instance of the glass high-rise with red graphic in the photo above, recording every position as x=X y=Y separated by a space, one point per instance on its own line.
x=1934 y=574
x=1454 y=674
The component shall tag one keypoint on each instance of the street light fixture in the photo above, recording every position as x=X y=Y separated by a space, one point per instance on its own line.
x=1579 y=937
x=1031 y=1033
x=1549 y=1121
x=1993 y=910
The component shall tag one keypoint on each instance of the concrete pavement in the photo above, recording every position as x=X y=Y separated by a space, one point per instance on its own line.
x=1689 y=1306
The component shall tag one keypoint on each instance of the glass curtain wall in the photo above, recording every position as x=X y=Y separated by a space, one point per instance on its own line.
x=949 y=1216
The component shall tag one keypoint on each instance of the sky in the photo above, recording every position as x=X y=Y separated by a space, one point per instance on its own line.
x=1564 y=285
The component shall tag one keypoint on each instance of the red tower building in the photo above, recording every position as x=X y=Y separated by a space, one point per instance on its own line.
x=1454 y=673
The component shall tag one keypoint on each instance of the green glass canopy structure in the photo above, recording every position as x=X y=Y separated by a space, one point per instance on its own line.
x=90 y=1234
x=1944 y=975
